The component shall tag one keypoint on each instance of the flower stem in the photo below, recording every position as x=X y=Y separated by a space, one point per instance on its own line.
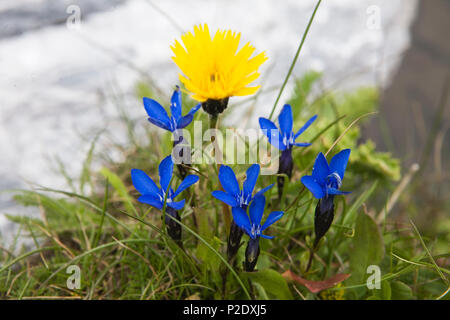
x=251 y=254
x=295 y=58
x=234 y=241
x=173 y=228
x=217 y=155
x=311 y=256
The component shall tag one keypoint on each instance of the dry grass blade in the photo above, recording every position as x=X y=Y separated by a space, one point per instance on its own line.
x=348 y=128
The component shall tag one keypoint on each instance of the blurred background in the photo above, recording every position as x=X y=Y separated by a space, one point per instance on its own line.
x=64 y=63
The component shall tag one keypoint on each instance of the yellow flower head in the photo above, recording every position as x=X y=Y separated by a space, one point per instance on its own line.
x=214 y=69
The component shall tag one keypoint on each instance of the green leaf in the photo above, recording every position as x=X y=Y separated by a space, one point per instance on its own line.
x=262 y=294
x=120 y=188
x=379 y=165
x=385 y=292
x=368 y=248
x=85 y=171
x=272 y=282
x=400 y=291
x=204 y=253
x=350 y=214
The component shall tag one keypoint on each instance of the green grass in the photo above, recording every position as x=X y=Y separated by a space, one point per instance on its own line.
x=124 y=252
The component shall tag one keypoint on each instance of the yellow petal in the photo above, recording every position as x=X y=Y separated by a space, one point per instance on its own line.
x=214 y=68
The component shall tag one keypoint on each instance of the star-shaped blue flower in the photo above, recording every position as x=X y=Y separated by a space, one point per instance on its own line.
x=327 y=179
x=233 y=195
x=159 y=117
x=153 y=195
x=284 y=138
x=252 y=226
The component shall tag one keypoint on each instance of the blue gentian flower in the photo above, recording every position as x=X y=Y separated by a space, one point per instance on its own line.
x=253 y=227
x=152 y=194
x=327 y=179
x=284 y=139
x=159 y=117
x=324 y=184
x=235 y=197
x=155 y=196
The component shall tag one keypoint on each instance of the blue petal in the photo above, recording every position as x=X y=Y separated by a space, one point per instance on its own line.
x=313 y=186
x=187 y=182
x=273 y=134
x=183 y=122
x=320 y=169
x=256 y=209
x=194 y=110
x=143 y=183
x=225 y=197
x=241 y=219
x=153 y=200
x=334 y=191
x=272 y=218
x=285 y=120
x=252 y=174
x=339 y=162
x=177 y=205
x=157 y=115
x=160 y=124
x=301 y=144
x=175 y=104
x=305 y=126
x=267 y=237
x=228 y=180
x=262 y=191
x=165 y=172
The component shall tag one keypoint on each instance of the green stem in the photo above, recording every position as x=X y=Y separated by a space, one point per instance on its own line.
x=295 y=58
x=213 y=120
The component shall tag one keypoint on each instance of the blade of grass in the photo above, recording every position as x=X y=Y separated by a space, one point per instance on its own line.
x=295 y=58
x=358 y=203
x=428 y=253
x=27 y=254
x=216 y=253
x=99 y=232
x=86 y=253
x=420 y=264
x=346 y=130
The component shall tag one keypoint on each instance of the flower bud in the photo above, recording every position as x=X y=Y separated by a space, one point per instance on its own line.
x=286 y=165
x=173 y=228
x=234 y=240
x=323 y=217
x=251 y=254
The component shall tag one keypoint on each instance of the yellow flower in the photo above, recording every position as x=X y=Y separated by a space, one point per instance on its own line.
x=214 y=69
